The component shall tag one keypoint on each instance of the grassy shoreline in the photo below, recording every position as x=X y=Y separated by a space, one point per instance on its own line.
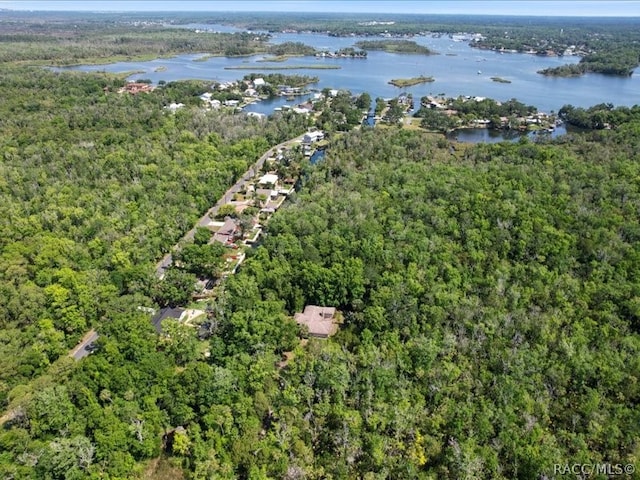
x=277 y=58
x=123 y=58
x=284 y=67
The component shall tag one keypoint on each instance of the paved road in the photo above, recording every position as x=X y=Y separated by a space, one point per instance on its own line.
x=163 y=264
x=84 y=348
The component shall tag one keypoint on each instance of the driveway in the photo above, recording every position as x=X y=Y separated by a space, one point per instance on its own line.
x=85 y=347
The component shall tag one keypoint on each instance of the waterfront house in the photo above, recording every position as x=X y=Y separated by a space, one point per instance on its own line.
x=311 y=137
x=307 y=151
x=226 y=85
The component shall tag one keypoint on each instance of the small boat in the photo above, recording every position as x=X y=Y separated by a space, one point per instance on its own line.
x=479 y=72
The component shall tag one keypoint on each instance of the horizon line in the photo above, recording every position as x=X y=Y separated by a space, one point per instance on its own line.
x=214 y=12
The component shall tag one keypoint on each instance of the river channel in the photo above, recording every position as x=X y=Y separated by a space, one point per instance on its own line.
x=458 y=69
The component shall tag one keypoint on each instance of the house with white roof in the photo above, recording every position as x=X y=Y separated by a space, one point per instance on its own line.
x=269 y=179
x=172 y=107
x=311 y=137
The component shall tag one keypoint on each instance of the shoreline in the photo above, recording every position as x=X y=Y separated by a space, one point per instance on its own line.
x=283 y=67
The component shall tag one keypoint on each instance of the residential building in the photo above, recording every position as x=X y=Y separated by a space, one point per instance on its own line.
x=269 y=179
x=321 y=321
x=136 y=87
x=228 y=233
x=173 y=107
x=311 y=137
x=167 y=312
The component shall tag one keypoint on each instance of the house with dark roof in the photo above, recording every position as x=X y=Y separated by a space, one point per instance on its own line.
x=174 y=313
x=321 y=321
x=228 y=233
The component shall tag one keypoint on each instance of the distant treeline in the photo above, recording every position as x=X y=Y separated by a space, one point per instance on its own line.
x=618 y=62
x=600 y=116
x=107 y=45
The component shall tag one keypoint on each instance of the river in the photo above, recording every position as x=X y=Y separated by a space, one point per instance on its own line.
x=458 y=70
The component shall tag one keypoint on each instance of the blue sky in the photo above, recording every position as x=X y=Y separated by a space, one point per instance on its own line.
x=628 y=8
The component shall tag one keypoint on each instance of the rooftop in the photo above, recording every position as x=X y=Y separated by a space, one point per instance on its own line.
x=227 y=232
x=319 y=320
x=167 y=312
x=268 y=178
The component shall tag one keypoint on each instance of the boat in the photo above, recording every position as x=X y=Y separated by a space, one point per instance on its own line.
x=479 y=72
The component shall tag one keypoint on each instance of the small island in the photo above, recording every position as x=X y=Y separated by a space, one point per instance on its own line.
x=571 y=70
x=410 y=82
x=500 y=80
x=393 y=45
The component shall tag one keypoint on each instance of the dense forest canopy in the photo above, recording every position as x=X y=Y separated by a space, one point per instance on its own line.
x=96 y=185
x=108 y=45
x=600 y=116
x=485 y=333
x=489 y=294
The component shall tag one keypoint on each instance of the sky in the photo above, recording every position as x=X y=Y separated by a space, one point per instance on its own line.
x=601 y=8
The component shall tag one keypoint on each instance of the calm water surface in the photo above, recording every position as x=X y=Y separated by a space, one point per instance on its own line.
x=458 y=70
